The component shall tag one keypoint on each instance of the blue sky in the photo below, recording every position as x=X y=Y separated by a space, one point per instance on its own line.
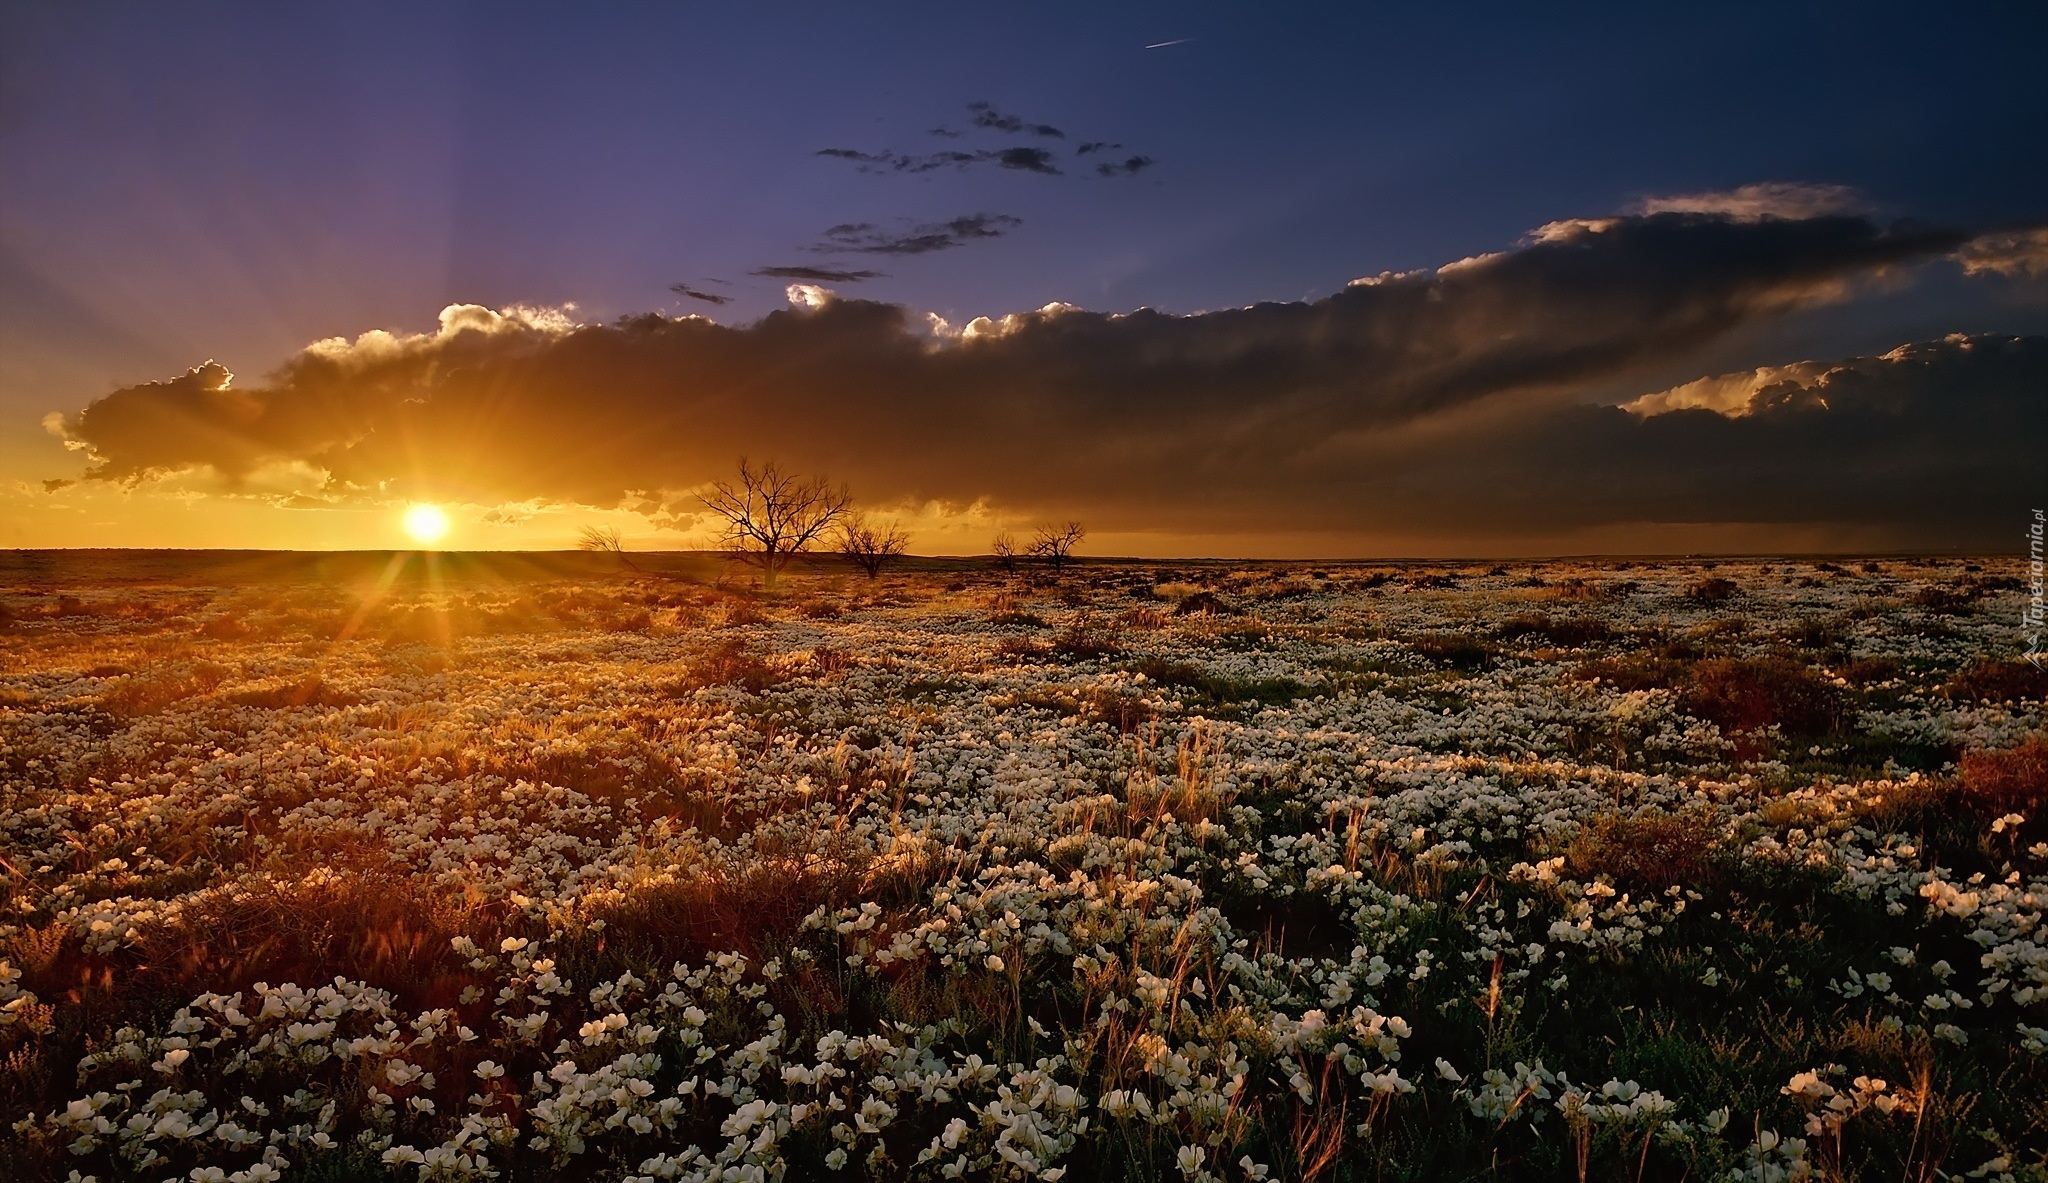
x=234 y=181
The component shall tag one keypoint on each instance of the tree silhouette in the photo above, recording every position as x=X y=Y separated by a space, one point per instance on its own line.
x=605 y=540
x=868 y=548
x=770 y=515
x=1004 y=548
x=1055 y=544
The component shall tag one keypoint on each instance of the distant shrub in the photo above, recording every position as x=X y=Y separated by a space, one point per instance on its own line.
x=1123 y=710
x=1746 y=694
x=225 y=628
x=1456 y=651
x=1865 y=670
x=1987 y=680
x=1218 y=688
x=1642 y=671
x=1203 y=603
x=629 y=620
x=2011 y=781
x=1004 y=609
x=1021 y=646
x=1171 y=673
x=740 y=611
x=1648 y=852
x=1813 y=633
x=729 y=664
x=146 y=694
x=1084 y=644
x=1943 y=601
x=826 y=661
x=1570 y=632
x=307 y=691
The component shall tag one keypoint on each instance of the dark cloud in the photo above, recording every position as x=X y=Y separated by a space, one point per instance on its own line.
x=1448 y=400
x=1935 y=443
x=1123 y=168
x=1037 y=160
x=816 y=274
x=683 y=289
x=984 y=115
x=917 y=239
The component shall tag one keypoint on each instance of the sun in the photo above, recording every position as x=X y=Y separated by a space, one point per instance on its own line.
x=427 y=524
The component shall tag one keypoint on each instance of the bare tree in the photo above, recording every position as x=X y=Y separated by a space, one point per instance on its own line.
x=770 y=515
x=1055 y=544
x=1004 y=548
x=605 y=540
x=868 y=548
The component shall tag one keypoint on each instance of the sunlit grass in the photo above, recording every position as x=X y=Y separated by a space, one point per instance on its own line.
x=1339 y=872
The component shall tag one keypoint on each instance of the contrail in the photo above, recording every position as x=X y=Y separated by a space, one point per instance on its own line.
x=1176 y=41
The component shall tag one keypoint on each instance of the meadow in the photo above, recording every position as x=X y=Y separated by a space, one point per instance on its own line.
x=371 y=867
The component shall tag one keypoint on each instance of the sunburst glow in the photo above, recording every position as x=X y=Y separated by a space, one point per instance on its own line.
x=426 y=524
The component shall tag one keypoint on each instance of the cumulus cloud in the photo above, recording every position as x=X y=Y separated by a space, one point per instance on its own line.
x=2017 y=253
x=1438 y=397
x=1733 y=394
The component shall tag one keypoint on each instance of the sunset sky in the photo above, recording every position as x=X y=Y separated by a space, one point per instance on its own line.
x=1312 y=281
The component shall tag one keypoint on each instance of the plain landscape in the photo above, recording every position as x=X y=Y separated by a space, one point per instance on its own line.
x=550 y=866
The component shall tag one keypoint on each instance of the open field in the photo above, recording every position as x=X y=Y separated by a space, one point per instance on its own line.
x=337 y=867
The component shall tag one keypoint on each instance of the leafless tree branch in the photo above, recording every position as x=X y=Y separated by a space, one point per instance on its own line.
x=769 y=515
x=1055 y=544
x=868 y=548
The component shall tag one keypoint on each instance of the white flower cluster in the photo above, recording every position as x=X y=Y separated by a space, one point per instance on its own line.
x=914 y=888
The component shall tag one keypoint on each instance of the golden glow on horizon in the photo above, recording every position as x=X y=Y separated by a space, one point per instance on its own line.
x=426 y=524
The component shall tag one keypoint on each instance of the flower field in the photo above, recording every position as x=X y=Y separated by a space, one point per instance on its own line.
x=1195 y=872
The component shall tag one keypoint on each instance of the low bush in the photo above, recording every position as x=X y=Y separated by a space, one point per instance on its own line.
x=1990 y=680
x=1747 y=694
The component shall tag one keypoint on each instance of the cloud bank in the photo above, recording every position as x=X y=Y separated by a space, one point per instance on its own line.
x=1448 y=400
